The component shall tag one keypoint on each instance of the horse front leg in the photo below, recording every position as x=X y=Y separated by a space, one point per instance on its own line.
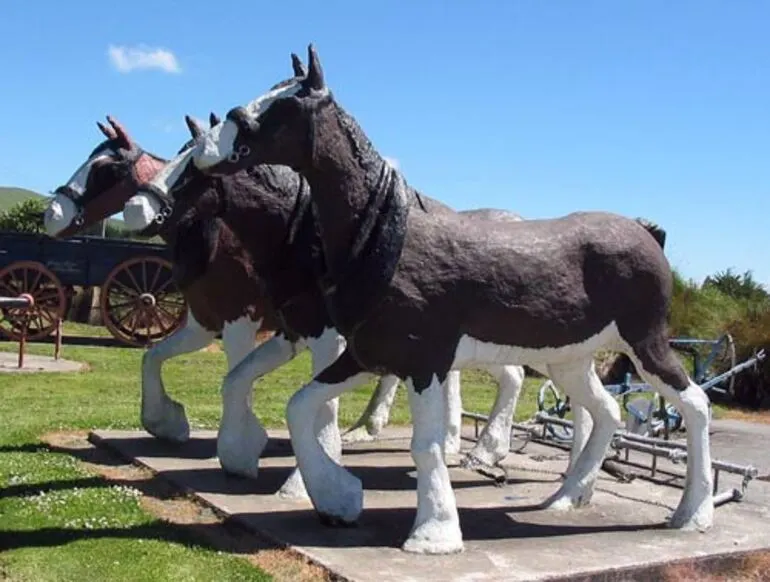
x=162 y=416
x=242 y=438
x=336 y=494
x=325 y=350
x=436 y=528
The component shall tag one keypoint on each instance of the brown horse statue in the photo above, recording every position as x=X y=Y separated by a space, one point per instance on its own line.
x=417 y=293
x=101 y=186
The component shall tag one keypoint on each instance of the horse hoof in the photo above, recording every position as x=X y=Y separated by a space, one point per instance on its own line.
x=334 y=521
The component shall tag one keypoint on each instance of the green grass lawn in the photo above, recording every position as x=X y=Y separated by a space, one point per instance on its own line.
x=63 y=523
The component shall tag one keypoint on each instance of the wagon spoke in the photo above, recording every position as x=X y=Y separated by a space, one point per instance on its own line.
x=133 y=280
x=156 y=277
x=45 y=313
x=121 y=320
x=165 y=284
x=171 y=316
x=49 y=296
x=127 y=290
x=170 y=303
x=116 y=305
x=11 y=292
x=166 y=324
x=36 y=281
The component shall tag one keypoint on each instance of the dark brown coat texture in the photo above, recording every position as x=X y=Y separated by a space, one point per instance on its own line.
x=405 y=282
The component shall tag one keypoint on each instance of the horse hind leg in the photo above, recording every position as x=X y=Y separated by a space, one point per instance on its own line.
x=377 y=414
x=453 y=406
x=494 y=443
x=659 y=367
x=580 y=381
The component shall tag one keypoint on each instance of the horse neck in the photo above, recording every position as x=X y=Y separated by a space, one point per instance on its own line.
x=345 y=171
x=259 y=219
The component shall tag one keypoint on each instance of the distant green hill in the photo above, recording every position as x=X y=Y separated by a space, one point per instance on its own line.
x=10 y=196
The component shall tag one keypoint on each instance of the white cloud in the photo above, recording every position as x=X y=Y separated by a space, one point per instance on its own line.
x=141 y=57
x=393 y=162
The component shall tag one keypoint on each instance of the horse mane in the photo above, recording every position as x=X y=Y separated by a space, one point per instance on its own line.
x=370 y=159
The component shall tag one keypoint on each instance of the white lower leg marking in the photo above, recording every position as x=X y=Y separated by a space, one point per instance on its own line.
x=583 y=424
x=241 y=438
x=162 y=416
x=494 y=442
x=584 y=387
x=454 y=413
x=436 y=528
x=696 y=508
x=325 y=350
x=377 y=413
x=335 y=492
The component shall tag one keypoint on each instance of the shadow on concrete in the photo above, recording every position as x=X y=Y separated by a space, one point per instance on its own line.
x=377 y=528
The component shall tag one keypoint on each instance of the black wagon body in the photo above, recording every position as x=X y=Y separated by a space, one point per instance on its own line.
x=139 y=300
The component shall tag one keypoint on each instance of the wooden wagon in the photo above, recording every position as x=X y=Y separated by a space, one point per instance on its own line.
x=139 y=301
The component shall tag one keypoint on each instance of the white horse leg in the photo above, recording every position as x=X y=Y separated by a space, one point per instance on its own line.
x=582 y=425
x=436 y=528
x=494 y=443
x=580 y=381
x=453 y=404
x=696 y=508
x=369 y=426
x=336 y=493
x=162 y=416
x=242 y=438
x=325 y=349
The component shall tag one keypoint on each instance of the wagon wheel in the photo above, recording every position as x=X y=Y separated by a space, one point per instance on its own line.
x=48 y=300
x=140 y=302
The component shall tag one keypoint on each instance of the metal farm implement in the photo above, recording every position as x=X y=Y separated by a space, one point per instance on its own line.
x=648 y=416
x=139 y=301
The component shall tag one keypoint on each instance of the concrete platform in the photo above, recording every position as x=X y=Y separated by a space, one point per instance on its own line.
x=9 y=363
x=506 y=538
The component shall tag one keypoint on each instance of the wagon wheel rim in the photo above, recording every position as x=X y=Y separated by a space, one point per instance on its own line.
x=140 y=301
x=49 y=301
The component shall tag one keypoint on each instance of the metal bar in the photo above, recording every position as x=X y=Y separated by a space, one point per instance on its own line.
x=758 y=357
x=15 y=302
x=57 y=345
x=727 y=496
x=678 y=455
x=651 y=440
x=23 y=340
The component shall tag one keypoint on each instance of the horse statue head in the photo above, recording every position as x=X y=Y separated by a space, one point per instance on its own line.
x=272 y=129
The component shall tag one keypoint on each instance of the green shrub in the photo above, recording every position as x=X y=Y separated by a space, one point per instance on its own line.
x=24 y=216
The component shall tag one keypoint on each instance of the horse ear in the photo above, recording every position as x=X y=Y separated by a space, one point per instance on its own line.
x=121 y=134
x=299 y=67
x=108 y=132
x=213 y=119
x=195 y=129
x=315 y=76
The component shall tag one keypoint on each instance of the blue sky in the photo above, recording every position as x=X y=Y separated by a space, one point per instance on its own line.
x=642 y=107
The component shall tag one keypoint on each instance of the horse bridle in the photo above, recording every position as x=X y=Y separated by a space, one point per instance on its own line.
x=131 y=160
